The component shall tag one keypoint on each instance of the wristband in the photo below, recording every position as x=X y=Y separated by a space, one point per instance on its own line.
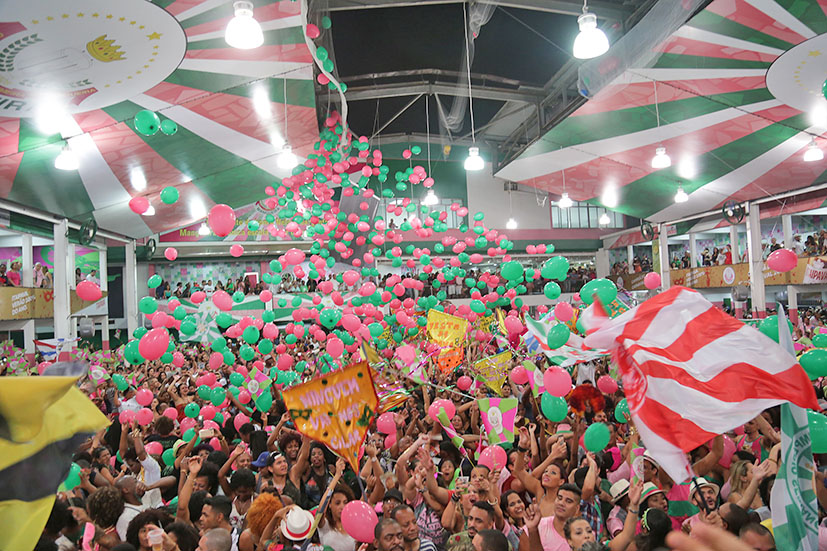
x=522 y=449
x=633 y=511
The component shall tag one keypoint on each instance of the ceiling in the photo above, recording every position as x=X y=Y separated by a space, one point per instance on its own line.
x=738 y=102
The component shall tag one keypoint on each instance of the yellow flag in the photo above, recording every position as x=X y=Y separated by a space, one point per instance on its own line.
x=445 y=329
x=493 y=370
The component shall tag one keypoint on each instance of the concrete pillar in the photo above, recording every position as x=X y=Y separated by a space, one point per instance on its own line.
x=792 y=303
x=693 y=250
x=663 y=245
x=630 y=258
x=733 y=243
x=130 y=293
x=71 y=256
x=601 y=263
x=62 y=313
x=103 y=272
x=787 y=228
x=27 y=280
x=756 y=262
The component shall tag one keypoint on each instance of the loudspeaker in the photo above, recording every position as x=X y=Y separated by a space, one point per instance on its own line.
x=86 y=328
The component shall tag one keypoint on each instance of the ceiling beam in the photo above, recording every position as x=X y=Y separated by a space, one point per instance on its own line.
x=603 y=9
x=402 y=89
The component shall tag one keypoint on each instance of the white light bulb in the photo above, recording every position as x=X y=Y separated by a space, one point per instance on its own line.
x=564 y=202
x=150 y=211
x=609 y=197
x=591 y=41
x=604 y=219
x=137 y=179
x=474 y=161
x=204 y=229
x=661 y=159
x=681 y=196
x=287 y=159
x=243 y=31
x=66 y=160
x=813 y=153
x=430 y=198
x=511 y=224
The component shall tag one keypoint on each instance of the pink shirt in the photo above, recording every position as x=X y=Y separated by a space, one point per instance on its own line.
x=14 y=277
x=614 y=524
x=550 y=538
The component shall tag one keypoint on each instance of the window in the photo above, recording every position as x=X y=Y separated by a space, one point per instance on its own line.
x=444 y=205
x=583 y=215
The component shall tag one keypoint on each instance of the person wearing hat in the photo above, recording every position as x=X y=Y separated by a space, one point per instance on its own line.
x=296 y=525
x=620 y=501
x=392 y=499
x=705 y=495
x=655 y=498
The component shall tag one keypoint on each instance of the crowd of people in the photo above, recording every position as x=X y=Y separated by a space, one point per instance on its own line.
x=260 y=485
x=10 y=275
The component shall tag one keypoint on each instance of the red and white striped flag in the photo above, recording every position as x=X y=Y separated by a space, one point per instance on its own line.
x=691 y=372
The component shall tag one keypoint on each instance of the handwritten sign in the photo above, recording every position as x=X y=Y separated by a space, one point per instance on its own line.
x=445 y=329
x=493 y=370
x=335 y=409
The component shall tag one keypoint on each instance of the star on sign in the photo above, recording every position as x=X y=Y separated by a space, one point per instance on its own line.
x=814 y=53
x=154 y=36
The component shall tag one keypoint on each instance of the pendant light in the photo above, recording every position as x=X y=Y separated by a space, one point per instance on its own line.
x=813 y=152
x=511 y=224
x=604 y=220
x=286 y=160
x=243 y=31
x=474 y=162
x=66 y=159
x=591 y=42
x=564 y=202
x=203 y=229
x=681 y=196
x=661 y=159
x=430 y=198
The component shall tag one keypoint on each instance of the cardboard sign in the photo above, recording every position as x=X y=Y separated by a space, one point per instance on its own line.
x=493 y=370
x=450 y=358
x=445 y=329
x=335 y=409
x=498 y=417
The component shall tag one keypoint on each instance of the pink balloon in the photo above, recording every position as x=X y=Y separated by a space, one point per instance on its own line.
x=244 y=396
x=222 y=300
x=359 y=520
x=335 y=346
x=386 y=424
x=563 y=311
x=285 y=362
x=139 y=205
x=265 y=296
x=216 y=359
x=170 y=253
x=177 y=359
x=367 y=289
x=221 y=220
x=729 y=452
x=239 y=420
x=215 y=443
x=144 y=416
x=154 y=448
x=557 y=381
x=126 y=416
x=270 y=330
x=294 y=256
x=236 y=250
x=154 y=343
x=88 y=291
x=350 y=277
x=464 y=383
x=607 y=385
x=312 y=31
x=390 y=440
x=187 y=423
x=350 y=322
x=198 y=297
x=513 y=324
x=493 y=457
x=519 y=375
x=172 y=413
x=144 y=396
x=208 y=411
x=782 y=260
x=651 y=280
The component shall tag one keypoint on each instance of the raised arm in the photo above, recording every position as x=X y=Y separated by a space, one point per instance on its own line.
x=225 y=470
x=440 y=494
x=530 y=483
x=622 y=540
x=708 y=462
x=182 y=512
x=300 y=467
x=590 y=480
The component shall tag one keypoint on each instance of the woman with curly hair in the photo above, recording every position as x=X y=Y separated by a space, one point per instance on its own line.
x=142 y=524
x=263 y=509
x=105 y=507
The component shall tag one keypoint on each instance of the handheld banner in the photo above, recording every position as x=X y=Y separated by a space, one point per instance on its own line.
x=445 y=329
x=450 y=358
x=535 y=378
x=493 y=370
x=498 y=416
x=335 y=409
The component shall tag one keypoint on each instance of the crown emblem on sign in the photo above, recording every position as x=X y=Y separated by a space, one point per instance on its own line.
x=104 y=50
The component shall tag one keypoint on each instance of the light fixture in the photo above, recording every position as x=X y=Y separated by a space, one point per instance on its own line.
x=243 y=31
x=681 y=196
x=564 y=202
x=609 y=197
x=813 y=152
x=604 y=220
x=287 y=159
x=204 y=229
x=430 y=198
x=474 y=161
x=137 y=179
x=50 y=114
x=511 y=224
x=591 y=41
x=150 y=211
x=66 y=159
x=661 y=159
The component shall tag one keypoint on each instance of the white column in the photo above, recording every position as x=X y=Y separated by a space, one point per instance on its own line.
x=787 y=227
x=71 y=256
x=601 y=263
x=103 y=272
x=756 y=262
x=693 y=250
x=27 y=276
x=663 y=246
x=733 y=243
x=62 y=311
x=630 y=258
x=130 y=293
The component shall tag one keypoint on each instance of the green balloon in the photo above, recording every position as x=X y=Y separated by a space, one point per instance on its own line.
x=552 y=290
x=131 y=353
x=147 y=122
x=820 y=340
x=556 y=267
x=189 y=434
x=265 y=346
x=179 y=313
x=238 y=296
x=168 y=457
x=267 y=316
x=120 y=381
x=596 y=437
x=554 y=408
x=622 y=414
x=73 y=478
x=477 y=306
x=166 y=358
x=558 y=335
x=265 y=401
x=229 y=359
x=236 y=379
x=251 y=334
x=330 y=317
x=204 y=392
x=217 y=396
x=147 y=305
x=153 y=281
x=769 y=327
x=375 y=329
x=169 y=127
x=512 y=270
x=188 y=327
x=818 y=431
x=192 y=410
x=814 y=362
x=219 y=344
x=605 y=290
x=139 y=332
x=169 y=195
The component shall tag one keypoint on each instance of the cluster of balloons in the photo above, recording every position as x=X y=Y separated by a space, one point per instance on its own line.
x=148 y=123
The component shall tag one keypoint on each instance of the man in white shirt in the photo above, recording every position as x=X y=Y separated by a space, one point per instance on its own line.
x=128 y=487
x=144 y=467
x=798 y=246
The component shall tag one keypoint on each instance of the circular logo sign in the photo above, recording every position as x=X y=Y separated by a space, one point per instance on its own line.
x=796 y=78
x=83 y=55
x=728 y=275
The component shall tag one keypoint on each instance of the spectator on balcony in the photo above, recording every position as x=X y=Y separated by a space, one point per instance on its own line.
x=728 y=255
x=774 y=245
x=78 y=276
x=14 y=274
x=37 y=275
x=93 y=276
x=47 y=277
x=798 y=246
x=705 y=257
x=810 y=246
x=4 y=279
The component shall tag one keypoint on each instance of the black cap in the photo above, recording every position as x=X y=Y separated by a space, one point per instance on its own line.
x=393 y=493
